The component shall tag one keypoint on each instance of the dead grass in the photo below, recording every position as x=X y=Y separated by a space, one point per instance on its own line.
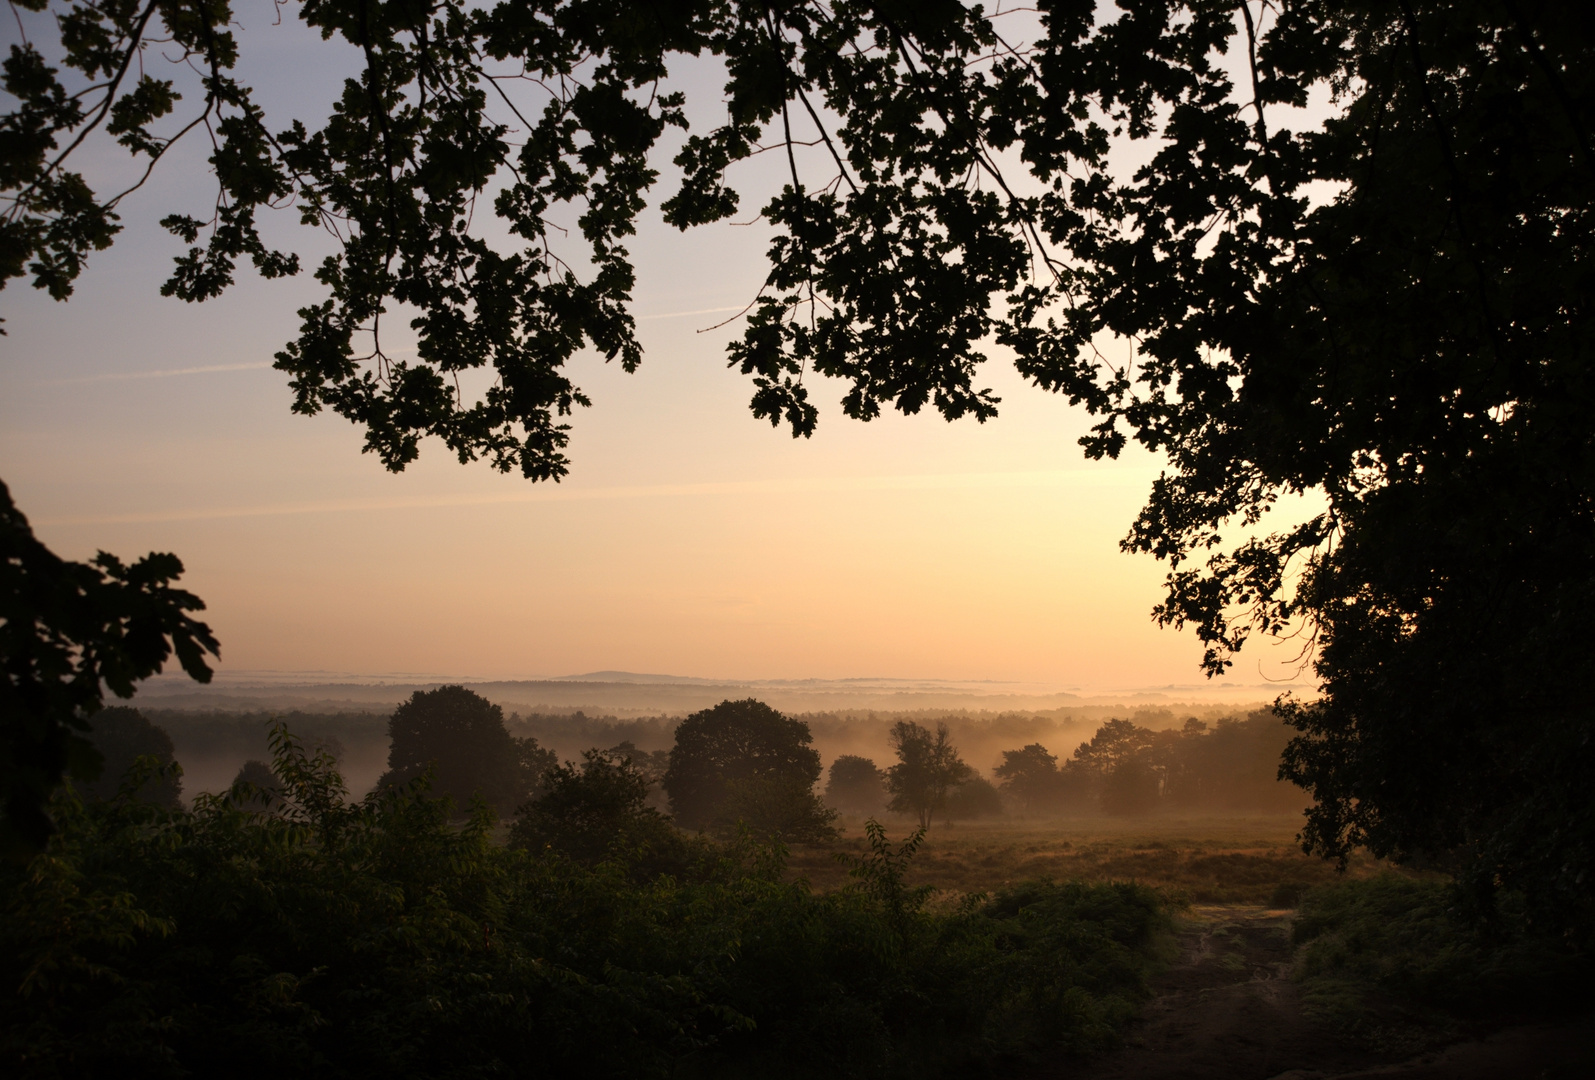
x=1204 y=860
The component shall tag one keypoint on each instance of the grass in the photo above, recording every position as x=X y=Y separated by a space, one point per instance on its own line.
x=1199 y=859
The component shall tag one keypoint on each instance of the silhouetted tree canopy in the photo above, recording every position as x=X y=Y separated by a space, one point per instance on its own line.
x=69 y=632
x=928 y=767
x=330 y=745
x=1127 y=769
x=976 y=797
x=1348 y=258
x=1132 y=788
x=1232 y=765
x=744 y=761
x=597 y=810
x=651 y=764
x=1030 y=775
x=785 y=807
x=460 y=737
x=122 y=735
x=855 y=784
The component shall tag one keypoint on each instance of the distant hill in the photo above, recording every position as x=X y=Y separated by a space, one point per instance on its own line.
x=631 y=694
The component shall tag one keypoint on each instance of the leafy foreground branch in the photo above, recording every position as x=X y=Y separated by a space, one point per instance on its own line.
x=376 y=938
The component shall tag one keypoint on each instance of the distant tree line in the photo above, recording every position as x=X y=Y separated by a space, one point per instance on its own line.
x=279 y=923
x=215 y=733
x=1126 y=769
x=743 y=763
x=930 y=779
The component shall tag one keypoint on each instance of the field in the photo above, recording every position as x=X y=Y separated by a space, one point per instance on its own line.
x=1208 y=859
x=1235 y=1002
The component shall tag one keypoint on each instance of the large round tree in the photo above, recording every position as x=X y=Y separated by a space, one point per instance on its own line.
x=459 y=738
x=856 y=784
x=743 y=761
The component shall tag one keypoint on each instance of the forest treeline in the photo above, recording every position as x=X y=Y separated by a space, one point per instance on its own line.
x=280 y=927
x=1061 y=762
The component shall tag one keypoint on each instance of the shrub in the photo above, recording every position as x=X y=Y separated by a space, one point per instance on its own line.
x=1418 y=942
x=377 y=938
x=596 y=812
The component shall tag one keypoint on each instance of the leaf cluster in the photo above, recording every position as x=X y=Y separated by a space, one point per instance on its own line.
x=1282 y=342
x=69 y=632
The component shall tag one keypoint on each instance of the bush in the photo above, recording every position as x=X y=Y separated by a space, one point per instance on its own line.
x=1418 y=943
x=376 y=938
x=1076 y=957
x=597 y=811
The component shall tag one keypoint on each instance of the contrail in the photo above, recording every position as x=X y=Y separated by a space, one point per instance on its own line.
x=684 y=314
x=166 y=373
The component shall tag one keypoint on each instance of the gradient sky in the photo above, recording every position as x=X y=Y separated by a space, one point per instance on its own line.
x=689 y=539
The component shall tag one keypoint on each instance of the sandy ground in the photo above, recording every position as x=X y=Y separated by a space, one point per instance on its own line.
x=1227 y=1009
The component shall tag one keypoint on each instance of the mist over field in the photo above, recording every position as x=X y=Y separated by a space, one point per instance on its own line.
x=216 y=729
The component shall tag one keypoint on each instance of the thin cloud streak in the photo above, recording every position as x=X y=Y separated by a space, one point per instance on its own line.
x=168 y=373
x=801 y=485
x=684 y=314
x=209 y=369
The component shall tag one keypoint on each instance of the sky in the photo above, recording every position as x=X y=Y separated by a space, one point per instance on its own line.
x=689 y=539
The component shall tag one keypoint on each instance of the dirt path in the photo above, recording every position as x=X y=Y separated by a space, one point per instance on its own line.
x=1226 y=1010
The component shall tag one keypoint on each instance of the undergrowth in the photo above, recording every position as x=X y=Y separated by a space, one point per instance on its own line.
x=1402 y=962
x=315 y=936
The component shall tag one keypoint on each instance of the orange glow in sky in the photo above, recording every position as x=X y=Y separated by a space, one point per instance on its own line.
x=690 y=538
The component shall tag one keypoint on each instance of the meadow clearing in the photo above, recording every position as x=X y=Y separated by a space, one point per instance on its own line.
x=1250 y=859
x=1374 y=980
